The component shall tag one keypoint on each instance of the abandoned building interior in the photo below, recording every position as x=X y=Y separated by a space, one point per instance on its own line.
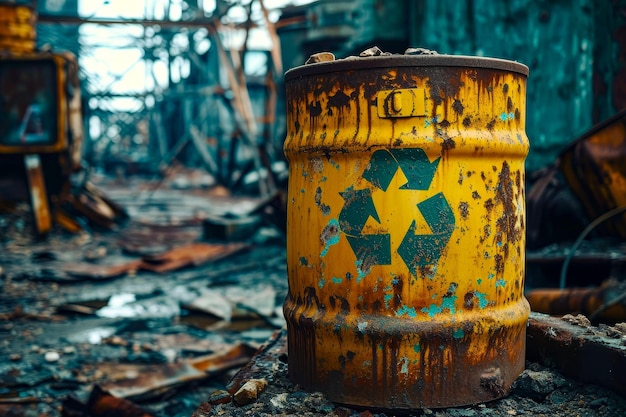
x=312 y=208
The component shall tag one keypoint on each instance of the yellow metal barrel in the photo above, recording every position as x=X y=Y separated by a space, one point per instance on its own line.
x=17 y=28
x=406 y=229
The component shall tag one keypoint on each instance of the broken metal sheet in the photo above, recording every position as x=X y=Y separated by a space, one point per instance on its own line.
x=192 y=254
x=151 y=240
x=139 y=382
x=212 y=302
x=252 y=302
x=127 y=306
x=236 y=303
x=186 y=344
x=96 y=271
x=176 y=207
x=230 y=229
x=102 y=404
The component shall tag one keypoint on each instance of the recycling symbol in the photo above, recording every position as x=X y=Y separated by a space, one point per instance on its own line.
x=415 y=250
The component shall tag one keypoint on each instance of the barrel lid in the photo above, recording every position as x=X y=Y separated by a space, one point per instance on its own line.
x=390 y=61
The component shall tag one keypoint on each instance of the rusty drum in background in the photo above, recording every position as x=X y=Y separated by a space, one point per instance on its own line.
x=17 y=26
x=594 y=167
x=406 y=224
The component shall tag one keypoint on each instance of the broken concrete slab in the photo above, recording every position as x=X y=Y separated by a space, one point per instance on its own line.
x=584 y=352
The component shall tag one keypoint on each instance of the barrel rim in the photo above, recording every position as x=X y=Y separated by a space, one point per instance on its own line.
x=392 y=61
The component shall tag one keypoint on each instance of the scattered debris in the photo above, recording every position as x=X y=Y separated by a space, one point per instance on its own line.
x=537 y=385
x=52 y=356
x=219 y=396
x=320 y=57
x=249 y=391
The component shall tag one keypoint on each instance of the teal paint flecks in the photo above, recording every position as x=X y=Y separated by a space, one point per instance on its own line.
x=507 y=116
x=448 y=302
x=360 y=273
x=406 y=310
x=404 y=369
x=458 y=333
x=329 y=238
x=500 y=283
x=337 y=280
x=432 y=310
x=388 y=298
x=321 y=283
x=482 y=299
x=417 y=348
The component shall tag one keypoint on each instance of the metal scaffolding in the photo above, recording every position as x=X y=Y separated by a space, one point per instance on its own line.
x=175 y=79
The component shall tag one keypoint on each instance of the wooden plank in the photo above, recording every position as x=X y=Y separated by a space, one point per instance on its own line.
x=38 y=194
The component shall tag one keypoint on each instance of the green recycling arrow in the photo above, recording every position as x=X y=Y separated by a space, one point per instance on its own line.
x=415 y=250
x=413 y=162
x=375 y=248
x=421 y=250
x=358 y=207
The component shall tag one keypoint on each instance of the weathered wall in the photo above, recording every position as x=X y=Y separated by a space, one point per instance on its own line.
x=576 y=51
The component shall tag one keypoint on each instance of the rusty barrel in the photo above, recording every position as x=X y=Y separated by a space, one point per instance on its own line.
x=17 y=27
x=406 y=229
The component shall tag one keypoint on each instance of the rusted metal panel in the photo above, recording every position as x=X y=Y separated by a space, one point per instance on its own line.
x=46 y=96
x=38 y=194
x=406 y=229
x=594 y=166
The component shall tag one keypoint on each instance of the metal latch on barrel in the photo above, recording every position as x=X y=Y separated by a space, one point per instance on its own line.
x=407 y=102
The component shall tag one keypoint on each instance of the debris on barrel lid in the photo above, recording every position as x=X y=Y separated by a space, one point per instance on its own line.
x=320 y=57
x=373 y=51
x=420 y=51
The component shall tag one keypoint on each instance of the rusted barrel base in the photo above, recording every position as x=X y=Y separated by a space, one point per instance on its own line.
x=410 y=363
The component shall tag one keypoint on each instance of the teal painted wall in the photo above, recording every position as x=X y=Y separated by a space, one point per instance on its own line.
x=574 y=48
